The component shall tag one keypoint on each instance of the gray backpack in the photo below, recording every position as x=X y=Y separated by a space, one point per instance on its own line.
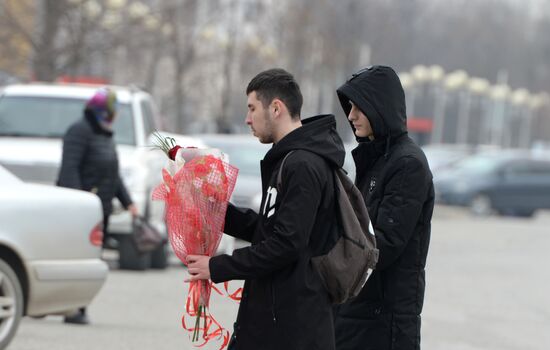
x=346 y=267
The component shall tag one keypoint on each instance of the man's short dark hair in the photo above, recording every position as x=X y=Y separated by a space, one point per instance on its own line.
x=277 y=83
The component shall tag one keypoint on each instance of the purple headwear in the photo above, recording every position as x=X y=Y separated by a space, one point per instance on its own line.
x=103 y=103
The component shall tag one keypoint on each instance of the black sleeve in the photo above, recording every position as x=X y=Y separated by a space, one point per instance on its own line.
x=240 y=222
x=122 y=193
x=400 y=209
x=302 y=183
x=75 y=143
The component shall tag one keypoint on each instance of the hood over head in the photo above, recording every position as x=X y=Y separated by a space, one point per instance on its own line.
x=317 y=135
x=378 y=93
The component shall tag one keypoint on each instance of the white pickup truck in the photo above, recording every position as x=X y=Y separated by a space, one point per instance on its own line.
x=33 y=120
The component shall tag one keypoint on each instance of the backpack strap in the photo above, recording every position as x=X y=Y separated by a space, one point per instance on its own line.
x=280 y=173
x=280 y=176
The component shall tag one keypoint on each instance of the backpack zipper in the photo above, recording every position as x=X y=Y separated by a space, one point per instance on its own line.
x=273 y=303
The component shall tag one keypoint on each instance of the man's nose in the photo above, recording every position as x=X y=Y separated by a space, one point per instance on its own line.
x=248 y=120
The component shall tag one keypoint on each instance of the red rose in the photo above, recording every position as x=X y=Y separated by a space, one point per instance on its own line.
x=202 y=170
x=172 y=152
x=193 y=217
x=208 y=189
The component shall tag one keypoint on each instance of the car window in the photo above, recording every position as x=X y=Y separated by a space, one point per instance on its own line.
x=247 y=160
x=30 y=116
x=479 y=165
x=527 y=167
x=245 y=156
x=518 y=167
x=540 y=168
x=148 y=117
x=7 y=178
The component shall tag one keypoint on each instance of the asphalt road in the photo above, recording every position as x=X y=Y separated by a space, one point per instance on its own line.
x=488 y=281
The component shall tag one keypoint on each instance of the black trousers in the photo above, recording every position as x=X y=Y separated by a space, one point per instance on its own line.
x=105 y=227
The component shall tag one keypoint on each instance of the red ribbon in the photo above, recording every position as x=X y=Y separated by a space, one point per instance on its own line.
x=211 y=329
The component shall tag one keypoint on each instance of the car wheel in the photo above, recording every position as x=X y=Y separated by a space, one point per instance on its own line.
x=11 y=304
x=159 y=257
x=481 y=205
x=526 y=213
x=522 y=213
x=128 y=256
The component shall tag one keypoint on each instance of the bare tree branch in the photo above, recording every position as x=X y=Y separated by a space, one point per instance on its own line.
x=7 y=13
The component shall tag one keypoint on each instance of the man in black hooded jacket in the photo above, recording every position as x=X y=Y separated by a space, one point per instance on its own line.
x=396 y=182
x=284 y=304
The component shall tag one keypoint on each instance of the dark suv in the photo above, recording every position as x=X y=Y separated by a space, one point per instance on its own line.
x=509 y=183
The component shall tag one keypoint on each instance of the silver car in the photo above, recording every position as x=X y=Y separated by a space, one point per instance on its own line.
x=245 y=152
x=35 y=117
x=50 y=246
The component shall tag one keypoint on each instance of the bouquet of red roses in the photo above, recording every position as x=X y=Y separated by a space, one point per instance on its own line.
x=196 y=190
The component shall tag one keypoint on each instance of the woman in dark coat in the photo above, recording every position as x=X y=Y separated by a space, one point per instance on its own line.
x=396 y=182
x=90 y=162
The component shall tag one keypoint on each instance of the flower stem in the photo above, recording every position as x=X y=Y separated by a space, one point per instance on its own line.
x=197 y=324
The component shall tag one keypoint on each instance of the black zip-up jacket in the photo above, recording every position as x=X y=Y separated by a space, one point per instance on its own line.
x=396 y=182
x=90 y=162
x=284 y=305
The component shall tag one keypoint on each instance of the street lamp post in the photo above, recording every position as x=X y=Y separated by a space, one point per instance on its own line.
x=453 y=81
x=475 y=86
x=436 y=77
x=499 y=94
x=520 y=100
x=408 y=86
x=419 y=75
x=456 y=81
x=534 y=102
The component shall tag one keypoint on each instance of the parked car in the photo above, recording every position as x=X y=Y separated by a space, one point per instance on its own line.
x=33 y=120
x=442 y=156
x=50 y=246
x=509 y=183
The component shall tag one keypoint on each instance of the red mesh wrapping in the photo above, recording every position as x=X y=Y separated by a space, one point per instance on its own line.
x=196 y=199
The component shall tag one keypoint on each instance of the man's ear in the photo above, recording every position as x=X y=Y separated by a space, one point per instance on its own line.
x=277 y=106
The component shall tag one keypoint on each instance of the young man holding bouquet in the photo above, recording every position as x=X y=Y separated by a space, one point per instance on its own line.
x=284 y=304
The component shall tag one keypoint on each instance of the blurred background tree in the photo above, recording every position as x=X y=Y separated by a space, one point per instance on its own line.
x=196 y=57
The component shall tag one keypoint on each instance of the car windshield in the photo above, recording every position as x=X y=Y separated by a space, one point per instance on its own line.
x=7 y=178
x=28 y=116
x=482 y=164
x=443 y=157
x=245 y=156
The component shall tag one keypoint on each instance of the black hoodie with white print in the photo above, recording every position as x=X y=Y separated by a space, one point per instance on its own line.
x=284 y=304
x=396 y=183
